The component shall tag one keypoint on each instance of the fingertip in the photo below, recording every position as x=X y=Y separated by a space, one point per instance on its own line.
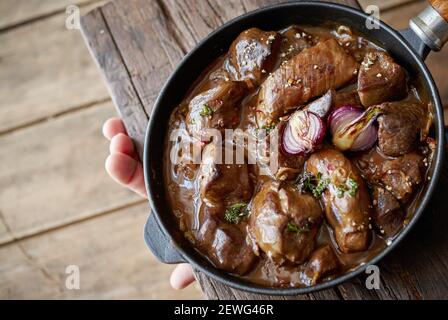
x=120 y=167
x=112 y=127
x=121 y=143
x=182 y=276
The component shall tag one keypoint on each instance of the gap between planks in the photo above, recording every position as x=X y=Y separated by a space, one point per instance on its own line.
x=54 y=116
x=16 y=239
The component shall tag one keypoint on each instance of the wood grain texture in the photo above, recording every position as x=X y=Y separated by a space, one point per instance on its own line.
x=441 y=6
x=52 y=174
x=42 y=76
x=13 y=12
x=177 y=28
x=112 y=259
x=383 y=4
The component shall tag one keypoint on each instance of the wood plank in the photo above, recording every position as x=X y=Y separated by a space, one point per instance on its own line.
x=384 y=4
x=13 y=12
x=52 y=173
x=397 y=281
x=437 y=62
x=112 y=258
x=45 y=75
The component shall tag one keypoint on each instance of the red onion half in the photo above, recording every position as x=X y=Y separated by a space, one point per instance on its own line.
x=303 y=132
x=353 y=128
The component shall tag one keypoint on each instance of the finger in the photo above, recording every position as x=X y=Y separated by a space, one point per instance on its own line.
x=112 y=127
x=182 y=276
x=122 y=143
x=126 y=171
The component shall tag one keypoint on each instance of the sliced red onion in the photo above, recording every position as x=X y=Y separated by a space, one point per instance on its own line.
x=303 y=132
x=322 y=106
x=353 y=128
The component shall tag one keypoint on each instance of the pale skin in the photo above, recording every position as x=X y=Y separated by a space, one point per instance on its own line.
x=124 y=166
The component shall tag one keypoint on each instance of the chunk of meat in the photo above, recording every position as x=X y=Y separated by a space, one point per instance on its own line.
x=399 y=176
x=294 y=41
x=346 y=199
x=284 y=223
x=216 y=108
x=323 y=262
x=219 y=186
x=225 y=245
x=400 y=127
x=346 y=98
x=307 y=75
x=388 y=215
x=223 y=183
x=253 y=54
x=380 y=79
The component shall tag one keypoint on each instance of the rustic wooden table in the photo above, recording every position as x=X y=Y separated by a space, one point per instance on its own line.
x=138 y=43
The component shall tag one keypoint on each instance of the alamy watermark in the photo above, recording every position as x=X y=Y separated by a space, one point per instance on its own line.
x=73 y=279
x=261 y=148
x=73 y=19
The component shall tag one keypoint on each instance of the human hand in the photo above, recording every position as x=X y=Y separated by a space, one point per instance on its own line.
x=124 y=166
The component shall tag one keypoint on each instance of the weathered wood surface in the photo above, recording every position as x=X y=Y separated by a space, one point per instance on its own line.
x=16 y=12
x=113 y=262
x=149 y=39
x=40 y=79
x=52 y=174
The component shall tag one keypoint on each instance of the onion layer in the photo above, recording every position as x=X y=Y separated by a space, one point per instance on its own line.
x=303 y=132
x=353 y=128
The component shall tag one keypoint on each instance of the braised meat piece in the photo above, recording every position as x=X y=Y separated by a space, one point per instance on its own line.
x=323 y=262
x=380 y=79
x=346 y=98
x=399 y=176
x=216 y=108
x=345 y=198
x=253 y=54
x=400 y=127
x=284 y=222
x=307 y=75
x=223 y=183
x=388 y=215
x=225 y=244
x=294 y=41
x=219 y=187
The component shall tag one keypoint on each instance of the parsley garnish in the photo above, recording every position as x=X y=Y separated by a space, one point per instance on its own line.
x=206 y=111
x=309 y=183
x=236 y=212
x=292 y=227
x=350 y=186
x=322 y=184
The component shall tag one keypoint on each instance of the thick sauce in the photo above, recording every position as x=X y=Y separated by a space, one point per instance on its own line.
x=184 y=181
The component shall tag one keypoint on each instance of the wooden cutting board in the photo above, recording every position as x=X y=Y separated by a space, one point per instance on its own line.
x=138 y=43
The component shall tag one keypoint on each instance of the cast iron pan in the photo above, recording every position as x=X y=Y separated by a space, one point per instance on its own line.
x=161 y=232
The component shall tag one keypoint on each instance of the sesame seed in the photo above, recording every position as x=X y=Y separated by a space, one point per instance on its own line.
x=379 y=75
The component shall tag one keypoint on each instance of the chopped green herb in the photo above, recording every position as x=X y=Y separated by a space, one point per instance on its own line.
x=322 y=184
x=353 y=185
x=236 y=212
x=206 y=111
x=305 y=182
x=292 y=227
x=308 y=183
x=350 y=186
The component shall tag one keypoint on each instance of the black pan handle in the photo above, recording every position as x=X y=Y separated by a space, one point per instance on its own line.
x=159 y=244
x=429 y=30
